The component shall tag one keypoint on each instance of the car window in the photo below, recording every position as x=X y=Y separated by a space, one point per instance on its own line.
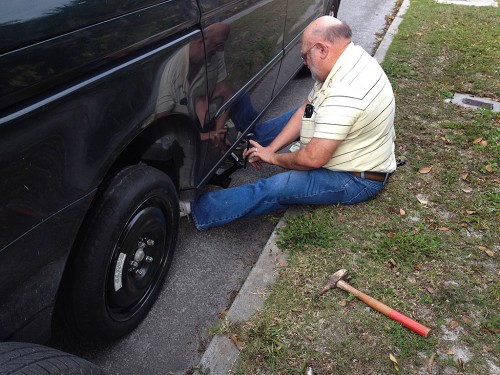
x=38 y=67
x=25 y=22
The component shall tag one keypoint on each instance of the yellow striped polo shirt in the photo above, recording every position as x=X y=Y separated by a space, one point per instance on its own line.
x=355 y=104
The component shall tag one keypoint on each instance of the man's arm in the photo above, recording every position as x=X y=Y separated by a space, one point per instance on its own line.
x=314 y=155
x=222 y=93
x=291 y=131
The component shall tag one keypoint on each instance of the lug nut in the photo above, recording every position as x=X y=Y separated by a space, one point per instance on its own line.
x=139 y=273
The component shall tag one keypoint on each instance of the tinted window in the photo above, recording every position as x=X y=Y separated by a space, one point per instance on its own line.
x=24 y=22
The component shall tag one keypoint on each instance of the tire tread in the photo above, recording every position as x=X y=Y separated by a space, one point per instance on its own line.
x=32 y=359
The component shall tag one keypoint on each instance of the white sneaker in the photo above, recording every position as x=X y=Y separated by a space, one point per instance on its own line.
x=184 y=208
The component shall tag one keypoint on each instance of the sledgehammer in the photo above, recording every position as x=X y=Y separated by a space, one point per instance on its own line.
x=336 y=281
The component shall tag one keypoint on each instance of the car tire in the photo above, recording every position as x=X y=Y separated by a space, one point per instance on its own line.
x=126 y=252
x=18 y=358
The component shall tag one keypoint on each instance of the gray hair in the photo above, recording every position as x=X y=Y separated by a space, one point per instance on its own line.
x=333 y=32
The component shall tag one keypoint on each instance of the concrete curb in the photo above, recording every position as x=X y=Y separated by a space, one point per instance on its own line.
x=221 y=354
x=391 y=32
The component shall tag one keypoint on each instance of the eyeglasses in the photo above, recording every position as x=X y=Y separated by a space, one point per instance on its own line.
x=303 y=55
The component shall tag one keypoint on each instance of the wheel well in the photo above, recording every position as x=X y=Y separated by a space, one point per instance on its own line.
x=170 y=144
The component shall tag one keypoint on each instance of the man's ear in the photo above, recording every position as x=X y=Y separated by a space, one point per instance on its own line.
x=323 y=50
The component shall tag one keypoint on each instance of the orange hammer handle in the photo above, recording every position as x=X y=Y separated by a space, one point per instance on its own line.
x=386 y=310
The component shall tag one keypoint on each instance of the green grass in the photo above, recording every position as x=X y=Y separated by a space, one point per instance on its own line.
x=426 y=246
x=303 y=232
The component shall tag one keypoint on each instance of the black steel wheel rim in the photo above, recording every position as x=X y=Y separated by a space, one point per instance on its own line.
x=132 y=279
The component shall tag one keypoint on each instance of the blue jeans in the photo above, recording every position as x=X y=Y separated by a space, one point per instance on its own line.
x=317 y=186
x=243 y=114
x=265 y=132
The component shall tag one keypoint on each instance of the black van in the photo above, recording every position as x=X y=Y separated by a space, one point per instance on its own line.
x=109 y=112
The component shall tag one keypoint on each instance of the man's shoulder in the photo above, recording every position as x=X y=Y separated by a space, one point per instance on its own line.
x=360 y=69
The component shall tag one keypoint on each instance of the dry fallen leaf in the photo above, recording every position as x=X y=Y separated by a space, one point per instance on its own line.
x=490 y=253
x=489 y=168
x=450 y=352
x=430 y=363
x=464 y=175
x=461 y=363
x=453 y=324
x=443 y=229
x=478 y=140
x=402 y=212
x=394 y=361
x=422 y=199
x=470 y=212
x=237 y=342
x=482 y=248
x=343 y=303
x=466 y=319
x=425 y=170
x=467 y=189
x=391 y=234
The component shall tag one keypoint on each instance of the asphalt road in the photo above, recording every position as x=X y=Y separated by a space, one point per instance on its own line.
x=209 y=267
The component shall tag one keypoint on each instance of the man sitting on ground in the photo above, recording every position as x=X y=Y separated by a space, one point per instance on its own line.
x=346 y=130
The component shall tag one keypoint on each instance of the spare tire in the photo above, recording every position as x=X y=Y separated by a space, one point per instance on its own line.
x=125 y=254
x=19 y=358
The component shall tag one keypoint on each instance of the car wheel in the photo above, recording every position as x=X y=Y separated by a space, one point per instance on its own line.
x=18 y=358
x=125 y=255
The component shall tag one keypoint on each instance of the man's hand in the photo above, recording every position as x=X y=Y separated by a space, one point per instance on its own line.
x=217 y=137
x=258 y=154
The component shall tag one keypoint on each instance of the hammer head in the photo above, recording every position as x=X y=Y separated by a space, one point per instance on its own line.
x=334 y=279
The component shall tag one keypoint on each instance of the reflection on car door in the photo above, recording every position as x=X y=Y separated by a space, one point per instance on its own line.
x=299 y=14
x=243 y=42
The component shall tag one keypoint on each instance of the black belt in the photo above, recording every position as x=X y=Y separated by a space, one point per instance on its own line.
x=375 y=176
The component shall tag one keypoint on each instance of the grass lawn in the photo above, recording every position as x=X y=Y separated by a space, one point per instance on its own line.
x=426 y=246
